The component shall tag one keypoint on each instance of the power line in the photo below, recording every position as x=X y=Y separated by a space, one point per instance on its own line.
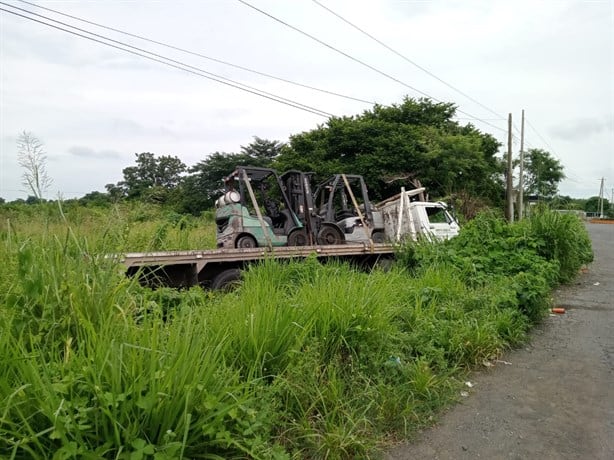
x=402 y=56
x=193 y=53
x=169 y=62
x=547 y=144
x=363 y=63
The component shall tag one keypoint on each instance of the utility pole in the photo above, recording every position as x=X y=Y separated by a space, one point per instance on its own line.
x=510 y=184
x=601 y=199
x=520 y=174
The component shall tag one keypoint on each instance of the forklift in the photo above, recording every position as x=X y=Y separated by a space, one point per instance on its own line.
x=316 y=228
x=242 y=222
x=343 y=199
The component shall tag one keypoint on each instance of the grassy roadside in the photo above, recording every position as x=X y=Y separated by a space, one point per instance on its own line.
x=302 y=361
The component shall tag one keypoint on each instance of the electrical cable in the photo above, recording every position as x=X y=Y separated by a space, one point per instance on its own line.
x=193 y=53
x=369 y=66
x=171 y=62
x=415 y=64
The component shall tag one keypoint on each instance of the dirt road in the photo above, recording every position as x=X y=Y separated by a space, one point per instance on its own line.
x=556 y=398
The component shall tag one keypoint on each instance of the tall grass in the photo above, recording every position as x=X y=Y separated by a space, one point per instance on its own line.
x=301 y=361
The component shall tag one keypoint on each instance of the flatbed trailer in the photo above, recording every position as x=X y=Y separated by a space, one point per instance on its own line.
x=219 y=268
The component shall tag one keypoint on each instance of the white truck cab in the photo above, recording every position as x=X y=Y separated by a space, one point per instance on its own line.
x=404 y=218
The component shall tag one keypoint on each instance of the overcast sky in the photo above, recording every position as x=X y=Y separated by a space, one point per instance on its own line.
x=94 y=107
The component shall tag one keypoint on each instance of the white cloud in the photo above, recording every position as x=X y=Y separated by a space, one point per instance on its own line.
x=94 y=107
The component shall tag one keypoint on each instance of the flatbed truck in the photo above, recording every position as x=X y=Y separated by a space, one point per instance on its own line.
x=221 y=268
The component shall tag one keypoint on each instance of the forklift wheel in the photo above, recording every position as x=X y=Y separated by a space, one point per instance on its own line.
x=330 y=234
x=378 y=237
x=298 y=238
x=246 y=241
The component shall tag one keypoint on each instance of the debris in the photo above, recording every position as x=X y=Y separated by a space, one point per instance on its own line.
x=559 y=310
x=464 y=394
x=507 y=363
x=469 y=384
x=487 y=363
x=596 y=284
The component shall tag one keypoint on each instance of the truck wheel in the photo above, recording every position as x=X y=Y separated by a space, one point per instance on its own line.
x=246 y=241
x=226 y=280
x=378 y=237
x=330 y=234
x=298 y=238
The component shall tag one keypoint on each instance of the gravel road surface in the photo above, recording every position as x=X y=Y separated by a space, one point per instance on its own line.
x=555 y=398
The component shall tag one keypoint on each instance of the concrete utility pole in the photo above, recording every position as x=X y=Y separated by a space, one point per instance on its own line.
x=601 y=191
x=510 y=184
x=520 y=174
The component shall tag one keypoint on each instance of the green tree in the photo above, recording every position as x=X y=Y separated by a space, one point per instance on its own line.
x=95 y=198
x=542 y=173
x=592 y=205
x=115 y=192
x=390 y=145
x=262 y=150
x=204 y=182
x=152 y=177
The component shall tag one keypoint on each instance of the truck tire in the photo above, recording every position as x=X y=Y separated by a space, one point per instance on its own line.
x=226 y=280
x=246 y=241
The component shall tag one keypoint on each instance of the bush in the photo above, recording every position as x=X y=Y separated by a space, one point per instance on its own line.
x=303 y=360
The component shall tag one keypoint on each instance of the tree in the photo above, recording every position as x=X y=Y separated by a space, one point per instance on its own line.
x=31 y=157
x=152 y=177
x=390 y=145
x=95 y=198
x=262 y=150
x=203 y=184
x=542 y=173
x=593 y=205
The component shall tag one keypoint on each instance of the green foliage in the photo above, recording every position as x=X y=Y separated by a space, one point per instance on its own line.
x=561 y=238
x=532 y=255
x=152 y=178
x=203 y=185
x=414 y=139
x=302 y=361
x=542 y=173
x=593 y=204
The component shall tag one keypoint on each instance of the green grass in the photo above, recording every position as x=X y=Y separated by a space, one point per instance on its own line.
x=301 y=361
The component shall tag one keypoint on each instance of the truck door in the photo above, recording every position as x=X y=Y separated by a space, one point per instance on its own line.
x=441 y=224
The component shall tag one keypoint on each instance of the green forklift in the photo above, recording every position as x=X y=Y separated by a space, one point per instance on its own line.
x=255 y=212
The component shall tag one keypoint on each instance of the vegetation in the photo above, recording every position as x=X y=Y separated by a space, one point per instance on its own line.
x=543 y=173
x=302 y=361
x=416 y=141
x=33 y=160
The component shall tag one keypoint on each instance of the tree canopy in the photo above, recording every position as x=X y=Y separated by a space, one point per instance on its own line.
x=542 y=173
x=203 y=184
x=151 y=178
x=390 y=144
